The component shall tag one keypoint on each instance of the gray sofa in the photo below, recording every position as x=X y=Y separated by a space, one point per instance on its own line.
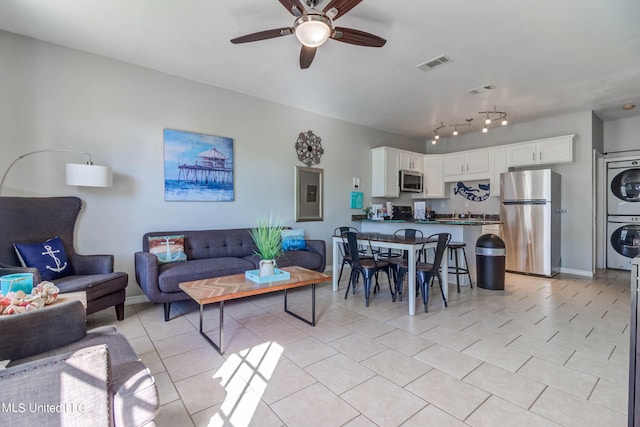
x=210 y=253
x=37 y=219
x=60 y=374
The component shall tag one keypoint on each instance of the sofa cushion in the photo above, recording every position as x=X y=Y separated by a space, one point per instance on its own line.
x=95 y=285
x=78 y=381
x=48 y=257
x=171 y=275
x=34 y=332
x=306 y=259
x=203 y=244
x=136 y=398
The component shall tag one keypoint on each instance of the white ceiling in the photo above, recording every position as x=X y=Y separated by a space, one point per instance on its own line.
x=545 y=57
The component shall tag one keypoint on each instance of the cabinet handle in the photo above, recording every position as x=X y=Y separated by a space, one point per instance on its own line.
x=461 y=168
x=541 y=155
x=533 y=156
x=467 y=168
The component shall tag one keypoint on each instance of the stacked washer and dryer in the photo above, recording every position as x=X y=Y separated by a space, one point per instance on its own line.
x=623 y=213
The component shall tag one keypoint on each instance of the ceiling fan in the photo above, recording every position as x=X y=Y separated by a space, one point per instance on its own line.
x=313 y=28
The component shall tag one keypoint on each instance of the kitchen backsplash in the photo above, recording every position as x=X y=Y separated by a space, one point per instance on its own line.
x=465 y=196
x=468 y=196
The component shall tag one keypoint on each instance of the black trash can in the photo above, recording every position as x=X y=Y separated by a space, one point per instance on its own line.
x=490 y=262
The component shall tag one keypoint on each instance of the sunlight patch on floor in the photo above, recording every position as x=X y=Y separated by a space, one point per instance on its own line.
x=245 y=376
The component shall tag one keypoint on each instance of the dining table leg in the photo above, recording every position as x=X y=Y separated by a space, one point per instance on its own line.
x=445 y=273
x=411 y=283
x=336 y=252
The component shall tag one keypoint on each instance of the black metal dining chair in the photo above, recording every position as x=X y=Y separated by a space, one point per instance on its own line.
x=344 y=248
x=368 y=267
x=426 y=272
x=397 y=259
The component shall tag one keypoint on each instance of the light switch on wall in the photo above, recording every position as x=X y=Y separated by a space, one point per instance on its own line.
x=356 y=183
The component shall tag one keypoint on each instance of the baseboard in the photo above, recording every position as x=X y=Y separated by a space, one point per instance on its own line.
x=136 y=299
x=573 y=271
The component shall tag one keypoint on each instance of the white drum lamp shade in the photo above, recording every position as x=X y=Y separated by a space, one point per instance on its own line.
x=83 y=175
x=89 y=175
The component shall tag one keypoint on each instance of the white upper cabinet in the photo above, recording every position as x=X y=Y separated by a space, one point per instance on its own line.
x=385 y=165
x=454 y=164
x=541 y=152
x=467 y=165
x=411 y=161
x=481 y=164
x=433 y=187
x=498 y=158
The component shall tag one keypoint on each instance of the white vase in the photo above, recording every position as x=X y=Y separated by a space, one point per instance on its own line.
x=267 y=267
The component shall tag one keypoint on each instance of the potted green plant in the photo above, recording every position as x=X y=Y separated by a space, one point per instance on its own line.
x=368 y=212
x=267 y=236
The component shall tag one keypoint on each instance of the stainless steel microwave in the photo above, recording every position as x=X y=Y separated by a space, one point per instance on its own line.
x=410 y=181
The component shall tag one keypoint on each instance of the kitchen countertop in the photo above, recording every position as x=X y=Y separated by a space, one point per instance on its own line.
x=447 y=221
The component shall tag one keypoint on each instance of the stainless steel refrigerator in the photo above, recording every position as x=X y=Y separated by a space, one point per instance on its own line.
x=530 y=215
x=633 y=413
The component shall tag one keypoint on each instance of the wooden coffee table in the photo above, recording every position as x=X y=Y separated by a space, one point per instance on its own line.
x=226 y=288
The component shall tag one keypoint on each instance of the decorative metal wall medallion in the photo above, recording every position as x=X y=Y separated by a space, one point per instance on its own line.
x=309 y=148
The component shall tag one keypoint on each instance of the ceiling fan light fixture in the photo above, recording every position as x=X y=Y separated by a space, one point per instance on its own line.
x=313 y=30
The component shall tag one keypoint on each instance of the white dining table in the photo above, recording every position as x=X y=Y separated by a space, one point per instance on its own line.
x=411 y=245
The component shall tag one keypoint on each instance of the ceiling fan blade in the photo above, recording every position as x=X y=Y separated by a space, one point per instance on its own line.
x=343 y=6
x=293 y=6
x=357 y=37
x=306 y=56
x=263 y=35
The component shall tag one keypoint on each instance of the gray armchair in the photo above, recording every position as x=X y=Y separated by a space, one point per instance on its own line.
x=60 y=374
x=37 y=219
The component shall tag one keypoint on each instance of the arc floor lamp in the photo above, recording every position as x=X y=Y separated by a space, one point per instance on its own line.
x=83 y=175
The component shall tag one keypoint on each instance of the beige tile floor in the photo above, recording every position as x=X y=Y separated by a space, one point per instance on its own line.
x=542 y=352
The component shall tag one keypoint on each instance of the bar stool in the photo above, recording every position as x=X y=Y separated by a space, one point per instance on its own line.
x=459 y=270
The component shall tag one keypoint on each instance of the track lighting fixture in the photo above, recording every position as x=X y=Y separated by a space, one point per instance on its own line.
x=493 y=115
x=490 y=117
x=436 y=136
x=456 y=125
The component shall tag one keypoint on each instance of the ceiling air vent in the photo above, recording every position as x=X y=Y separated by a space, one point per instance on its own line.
x=433 y=63
x=481 y=89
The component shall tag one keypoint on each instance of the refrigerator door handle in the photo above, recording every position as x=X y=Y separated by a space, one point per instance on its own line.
x=524 y=202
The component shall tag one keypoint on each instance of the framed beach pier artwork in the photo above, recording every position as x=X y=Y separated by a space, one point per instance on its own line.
x=197 y=167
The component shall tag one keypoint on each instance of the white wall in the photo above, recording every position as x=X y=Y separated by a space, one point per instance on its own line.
x=577 y=224
x=54 y=97
x=621 y=136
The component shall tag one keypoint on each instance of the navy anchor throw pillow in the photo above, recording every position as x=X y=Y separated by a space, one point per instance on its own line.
x=48 y=257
